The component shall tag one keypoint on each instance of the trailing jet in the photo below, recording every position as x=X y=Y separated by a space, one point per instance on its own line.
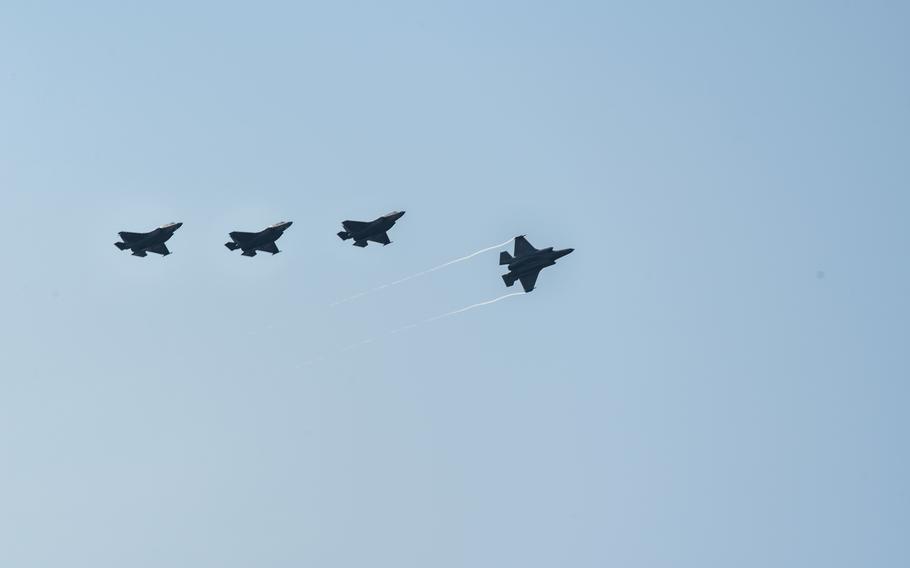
x=528 y=262
x=263 y=241
x=153 y=241
x=374 y=231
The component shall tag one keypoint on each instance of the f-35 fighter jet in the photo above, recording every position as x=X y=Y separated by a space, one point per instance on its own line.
x=153 y=241
x=375 y=231
x=528 y=262
x=263 y=241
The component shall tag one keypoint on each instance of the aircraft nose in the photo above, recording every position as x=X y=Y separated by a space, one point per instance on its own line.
x=400 y=215
x=177 y=225
x=288 y=224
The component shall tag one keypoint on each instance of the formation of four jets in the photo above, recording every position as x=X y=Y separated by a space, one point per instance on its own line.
x=524 y=266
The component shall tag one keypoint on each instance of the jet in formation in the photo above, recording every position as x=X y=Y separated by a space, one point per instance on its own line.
x=153 y=241
x=374 y=231
x=263 y=241
x=528 y=262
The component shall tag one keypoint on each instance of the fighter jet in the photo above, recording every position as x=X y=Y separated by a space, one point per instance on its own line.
x=263 y=241
x=153 y=241
x=375 y=231
x=528 y=262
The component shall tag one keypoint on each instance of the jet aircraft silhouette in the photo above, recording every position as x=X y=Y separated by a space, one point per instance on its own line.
x=375 y=231
x=263 y=241
x=153 y=241
x=528 y=262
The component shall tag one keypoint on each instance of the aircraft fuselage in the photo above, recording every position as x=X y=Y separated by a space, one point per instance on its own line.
x=269 y=235
x=140 y=243
x=156 y=237
x=380 y=225
x=375 y=231
x=537 y=260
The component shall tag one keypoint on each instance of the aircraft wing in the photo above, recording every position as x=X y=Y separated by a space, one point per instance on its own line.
x=129 y=237
x=240 y=236
x=381 y=238
x=354 y=226
x=268 y=247
x=523 y=247
x=159 y=249
x=528 y=280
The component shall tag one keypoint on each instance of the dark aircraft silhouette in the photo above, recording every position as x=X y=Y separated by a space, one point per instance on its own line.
x=153 y=241
x=374 y=231
x=528 y=262
x=263 y=241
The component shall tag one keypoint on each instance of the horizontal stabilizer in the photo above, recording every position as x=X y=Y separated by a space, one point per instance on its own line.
x=139 y=253
x=344 y=235
x=248 y=253
x=505 y=258
x=232 y=245
x=360 y=244
x=122 y=246
x=509 y=279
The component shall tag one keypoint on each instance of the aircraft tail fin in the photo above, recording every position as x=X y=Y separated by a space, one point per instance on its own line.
x=344 y=235
x=122 y=246
x=505 y=258
x=509 y=279
x=232 y=245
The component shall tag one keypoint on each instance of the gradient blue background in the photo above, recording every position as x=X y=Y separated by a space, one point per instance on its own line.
x=718 y=376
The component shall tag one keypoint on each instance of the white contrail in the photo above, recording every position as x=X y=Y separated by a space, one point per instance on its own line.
x=435 y=268
x=419 y=274
x=412 y=326
x=472 y=306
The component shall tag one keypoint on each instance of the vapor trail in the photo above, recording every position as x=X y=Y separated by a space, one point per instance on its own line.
x=472 y=306
x=419 y=274
x=412 y=326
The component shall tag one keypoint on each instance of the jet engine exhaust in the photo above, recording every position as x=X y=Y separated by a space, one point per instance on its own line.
x=419 y=274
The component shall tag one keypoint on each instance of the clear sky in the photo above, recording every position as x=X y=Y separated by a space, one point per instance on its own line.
x=719 y=375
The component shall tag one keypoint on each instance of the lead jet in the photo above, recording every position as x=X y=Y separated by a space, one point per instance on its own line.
x=153 y=241
x=528 y=262
x=375 y=231
x=263 y=241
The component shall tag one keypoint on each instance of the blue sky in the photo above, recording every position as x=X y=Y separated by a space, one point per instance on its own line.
x=716 y=376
